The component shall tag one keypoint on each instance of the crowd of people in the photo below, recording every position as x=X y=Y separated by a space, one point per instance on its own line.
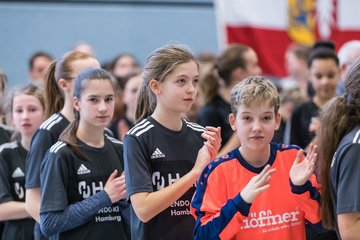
x=184 y=147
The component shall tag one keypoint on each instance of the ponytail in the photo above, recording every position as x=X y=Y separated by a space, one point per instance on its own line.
x=53 y=95
x=209 y=83
x=145 y=103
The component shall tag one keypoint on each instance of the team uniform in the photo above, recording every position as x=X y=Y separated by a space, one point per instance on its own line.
x=5 y=136
x=67 y=179
x=12 y=181
x=279 y=212
x=344 y=175
x=155 y=157
x=5 y=133
x=47 y=134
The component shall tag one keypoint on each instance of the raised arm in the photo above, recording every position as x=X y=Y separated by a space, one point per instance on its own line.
x=149 y=204
x=214 y=212
x=304 y=185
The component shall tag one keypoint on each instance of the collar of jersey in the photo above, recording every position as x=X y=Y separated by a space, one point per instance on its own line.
x=245 y=164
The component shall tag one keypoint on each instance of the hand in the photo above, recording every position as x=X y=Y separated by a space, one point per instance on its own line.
x=257 y=184
x=115 y=187
x=213 y=137
x=203 y=158
x=301 y=171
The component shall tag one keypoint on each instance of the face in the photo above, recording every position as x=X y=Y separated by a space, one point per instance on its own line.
x=324 y=76
x=124 y=66
x=294 y=65
x=130 y=92
x=252 y=64
x=40 y=67
x=96 y=105
x=255 y=125
x=77 y=67
x=178 y=90
x=27 y=114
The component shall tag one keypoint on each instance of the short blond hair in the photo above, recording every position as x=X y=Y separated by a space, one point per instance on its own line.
x=254 y=90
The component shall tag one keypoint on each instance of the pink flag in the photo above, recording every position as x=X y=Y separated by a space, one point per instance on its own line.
x=269 y=26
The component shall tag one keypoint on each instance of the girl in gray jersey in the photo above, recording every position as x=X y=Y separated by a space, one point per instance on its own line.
x=164 y=154
x=26 y=107
x=338 y=142
x=81 y=176
x=59 y=112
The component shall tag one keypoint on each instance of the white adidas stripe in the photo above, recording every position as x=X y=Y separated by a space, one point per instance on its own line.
x=144 y=130
x=114 y=140
x=356 y=138
x=54 y=148
x=48 y=121
x=9 y=145
x=139 y=126
x=53 y=123
x=195 y=125
x=198 y=129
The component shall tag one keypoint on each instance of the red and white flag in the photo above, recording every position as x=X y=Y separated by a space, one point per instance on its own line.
x=269 y=26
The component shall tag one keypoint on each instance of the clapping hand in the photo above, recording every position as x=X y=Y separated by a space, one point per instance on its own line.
x=209 y=150
x=257 y=184
x=301 y=171
x=213 y=140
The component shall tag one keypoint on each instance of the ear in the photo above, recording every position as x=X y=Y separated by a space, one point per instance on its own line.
x=232 y=121
x=277 y=121
x=155 y=86
x=76 y=104
x=63 y=84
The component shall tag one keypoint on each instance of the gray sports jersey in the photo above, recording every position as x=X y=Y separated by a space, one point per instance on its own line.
x=156 y=157
x=12 y=181
x=345 y=174
x=66 y=179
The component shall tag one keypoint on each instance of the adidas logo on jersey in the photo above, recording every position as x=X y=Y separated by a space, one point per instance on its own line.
x=83 y=170
x=157 y=154
x=18 y=173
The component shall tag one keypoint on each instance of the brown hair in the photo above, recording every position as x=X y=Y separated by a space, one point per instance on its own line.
x=60 y=69
x=158 y=65
x=230 y=59
x=338 y=117
x=222 y=67
x=209 y=83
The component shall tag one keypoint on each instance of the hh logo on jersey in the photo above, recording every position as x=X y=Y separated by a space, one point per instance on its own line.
x=83 y=170
x=157 y=154
x=18 y=173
